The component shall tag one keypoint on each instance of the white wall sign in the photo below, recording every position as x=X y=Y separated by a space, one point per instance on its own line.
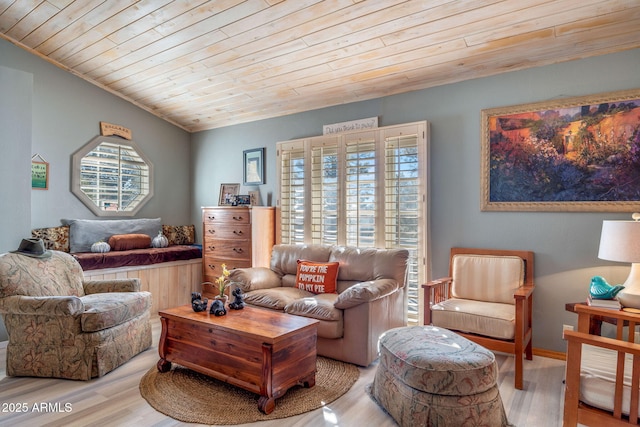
x=370 y=123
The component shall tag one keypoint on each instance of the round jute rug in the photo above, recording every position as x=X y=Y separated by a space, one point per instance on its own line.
x=195 y=398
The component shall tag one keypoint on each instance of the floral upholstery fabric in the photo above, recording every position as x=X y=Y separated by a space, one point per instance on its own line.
x=106 y=310
x=55 y=238
x=58 y=328
x=431 y=376
x=180 y=234
x=55 y=276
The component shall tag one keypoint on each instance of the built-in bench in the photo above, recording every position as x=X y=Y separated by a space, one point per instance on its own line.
x=169 y=273
x=170 y=283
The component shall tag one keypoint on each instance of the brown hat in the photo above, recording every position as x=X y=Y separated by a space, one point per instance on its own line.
x=33 y=248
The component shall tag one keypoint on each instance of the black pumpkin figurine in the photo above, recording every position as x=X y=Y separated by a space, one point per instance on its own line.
x=238 y=301
x=217 y=308
x=197 y=303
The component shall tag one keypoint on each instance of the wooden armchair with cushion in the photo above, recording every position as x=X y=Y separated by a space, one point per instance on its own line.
x=603 y=374
x=488 y=299
x=62 y=326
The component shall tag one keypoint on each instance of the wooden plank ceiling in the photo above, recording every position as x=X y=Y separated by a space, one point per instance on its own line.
x=207 y=64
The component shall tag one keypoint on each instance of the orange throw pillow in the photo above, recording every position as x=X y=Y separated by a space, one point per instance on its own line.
x=317 y=277
x=124 y=242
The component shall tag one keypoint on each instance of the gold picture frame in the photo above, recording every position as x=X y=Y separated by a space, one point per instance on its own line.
x=572 y=154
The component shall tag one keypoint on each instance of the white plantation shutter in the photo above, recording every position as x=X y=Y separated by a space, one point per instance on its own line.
x=366 y=189
x=361 y=198
x=325 y=192
x=403 y=209
x=292 y=192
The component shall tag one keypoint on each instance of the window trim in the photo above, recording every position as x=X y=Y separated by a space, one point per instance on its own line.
x=76 y=179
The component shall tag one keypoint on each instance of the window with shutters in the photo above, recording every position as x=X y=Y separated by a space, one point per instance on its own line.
x=365 y=189
x=112 y=177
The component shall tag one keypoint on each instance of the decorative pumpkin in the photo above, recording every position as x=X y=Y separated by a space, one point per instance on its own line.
x=160 y=241
x=101 y=247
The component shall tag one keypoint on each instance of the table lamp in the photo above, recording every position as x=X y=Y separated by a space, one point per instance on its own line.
x=620 y=241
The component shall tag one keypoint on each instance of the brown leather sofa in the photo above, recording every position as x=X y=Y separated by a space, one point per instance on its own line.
x=371 y=295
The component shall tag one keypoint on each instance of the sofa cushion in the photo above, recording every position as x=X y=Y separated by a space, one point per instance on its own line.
x=253 y=278
x=363 y=264
x=365 y=292
x=485 y=318
x=276 y=298
x=85 y=232
x=180 y=234
x=486 y=277
x=317 y=277
x=316 y=307
x=125 y=242
x=54 y=238
x=105 y=310
x=284 y=258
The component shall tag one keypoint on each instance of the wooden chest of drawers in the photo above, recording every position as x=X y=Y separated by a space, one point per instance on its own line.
x=236 y=236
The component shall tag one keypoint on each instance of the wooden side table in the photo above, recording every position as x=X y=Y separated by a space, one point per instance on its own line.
x=595 y=324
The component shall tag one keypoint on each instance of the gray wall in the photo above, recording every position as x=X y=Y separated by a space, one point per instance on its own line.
x=48 y=111
x=66 y=114
x=15 y=121
x=565 y=243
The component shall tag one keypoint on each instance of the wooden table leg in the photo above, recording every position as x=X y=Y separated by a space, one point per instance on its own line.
x=267 y=402
x=163 y=365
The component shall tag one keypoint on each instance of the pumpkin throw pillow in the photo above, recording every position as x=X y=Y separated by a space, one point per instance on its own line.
x=124 y=242
x=317 y=277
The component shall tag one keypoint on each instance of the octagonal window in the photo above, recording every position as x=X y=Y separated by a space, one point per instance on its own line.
x=112 y=177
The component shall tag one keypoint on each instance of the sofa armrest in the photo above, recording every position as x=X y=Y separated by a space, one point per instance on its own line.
x=251 y=279
x=48 y=306
x=435 y=291
x=365 y=292
x=523 y=292
x=111 y=285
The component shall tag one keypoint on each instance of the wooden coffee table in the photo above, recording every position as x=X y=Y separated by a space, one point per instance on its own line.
x=262 y=351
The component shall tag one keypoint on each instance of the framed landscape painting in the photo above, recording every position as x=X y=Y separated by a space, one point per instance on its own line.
x=572 y=154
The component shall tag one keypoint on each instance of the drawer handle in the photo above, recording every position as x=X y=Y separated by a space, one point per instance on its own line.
x=211 y=217
x=211 y=266
x=238 y=232
x=238 y=250
x=237 y=218
x=212 y=247
x=212 y=231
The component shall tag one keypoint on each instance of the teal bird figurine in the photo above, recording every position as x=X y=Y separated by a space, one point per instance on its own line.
x=600 y=289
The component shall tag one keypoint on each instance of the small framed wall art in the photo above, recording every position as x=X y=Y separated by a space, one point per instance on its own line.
x=254 y=166
x=39 y=173
x=228 y=193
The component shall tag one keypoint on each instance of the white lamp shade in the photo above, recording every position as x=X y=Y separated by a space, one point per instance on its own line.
x=620 y=241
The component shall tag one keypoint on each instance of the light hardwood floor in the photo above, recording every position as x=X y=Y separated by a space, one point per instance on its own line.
x=114 y=400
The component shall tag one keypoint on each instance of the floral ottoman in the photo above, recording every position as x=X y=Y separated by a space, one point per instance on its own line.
x=430 y=376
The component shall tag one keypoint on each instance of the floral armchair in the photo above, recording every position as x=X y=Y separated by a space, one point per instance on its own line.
x=61 y=326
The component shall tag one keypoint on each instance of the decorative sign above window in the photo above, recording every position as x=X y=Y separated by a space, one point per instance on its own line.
x=108 y=129
x=362 y=124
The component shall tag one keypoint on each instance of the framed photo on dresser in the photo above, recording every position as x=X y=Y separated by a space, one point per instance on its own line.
x=228 y=193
